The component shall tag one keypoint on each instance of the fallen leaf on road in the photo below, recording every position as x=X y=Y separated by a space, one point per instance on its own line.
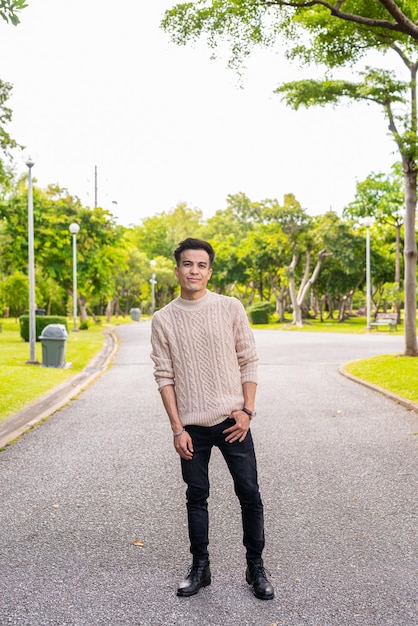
x=138 y=543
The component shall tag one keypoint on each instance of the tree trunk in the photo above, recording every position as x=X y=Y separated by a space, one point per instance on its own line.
x=306 y=284
x=314 y=304
x=260 y=286
x=109 y=310
x=341 y=309
x=322 y=304
x=297 y=312
x=350 y=302
x=410 y=257
x=280 y=301
x=397 y=304
x=83 y=309
x=330 y=301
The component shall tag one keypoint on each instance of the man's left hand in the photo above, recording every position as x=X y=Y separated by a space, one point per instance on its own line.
x=239 y=430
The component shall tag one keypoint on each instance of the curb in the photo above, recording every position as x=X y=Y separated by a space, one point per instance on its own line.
x=388 y=394
x=17 y=424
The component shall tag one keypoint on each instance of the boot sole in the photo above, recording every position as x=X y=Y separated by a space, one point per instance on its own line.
x=260 y=597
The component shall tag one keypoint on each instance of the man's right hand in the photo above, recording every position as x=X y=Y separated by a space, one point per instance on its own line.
x=184 y=446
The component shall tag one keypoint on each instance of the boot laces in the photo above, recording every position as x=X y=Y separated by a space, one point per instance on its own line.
x=260 y=570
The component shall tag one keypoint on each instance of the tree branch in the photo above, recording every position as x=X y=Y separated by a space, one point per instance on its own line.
x=402 y=55
x=305 y=274
x=400 y=17
x=402 y=24
x=308 y=284
x=392 y=127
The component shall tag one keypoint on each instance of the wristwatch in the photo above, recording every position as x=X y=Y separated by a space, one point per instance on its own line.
x=250 y=414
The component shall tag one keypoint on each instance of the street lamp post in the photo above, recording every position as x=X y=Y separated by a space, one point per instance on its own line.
x=153 y=283
x=31 y=268
x=74 y=228
x=368 y=221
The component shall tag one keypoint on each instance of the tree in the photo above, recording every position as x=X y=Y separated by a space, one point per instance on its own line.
x=381 y=196
x=160 y=234
x=9 y=10
x=15 y=293
x=54 y=210
x=333 y=34
x=7 y=144
x=343 y=273
x=227 y=231
x=265 y=252
x=303 y=250
x=97 y=254
x=166 y=286
x=261 y=248
x=130 y=275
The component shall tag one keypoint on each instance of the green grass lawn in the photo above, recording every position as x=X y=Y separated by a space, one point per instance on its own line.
x=398 y=374
x=21 y=383
x=356 y=325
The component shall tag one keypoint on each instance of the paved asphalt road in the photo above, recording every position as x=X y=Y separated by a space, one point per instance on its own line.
x=338 y=473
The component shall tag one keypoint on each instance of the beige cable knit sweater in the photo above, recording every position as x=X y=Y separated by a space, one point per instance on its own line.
x=206 y=349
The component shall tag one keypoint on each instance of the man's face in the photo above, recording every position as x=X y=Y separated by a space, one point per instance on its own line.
x=193 y=273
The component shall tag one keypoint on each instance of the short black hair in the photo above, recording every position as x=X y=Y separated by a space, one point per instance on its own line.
x=194 y=244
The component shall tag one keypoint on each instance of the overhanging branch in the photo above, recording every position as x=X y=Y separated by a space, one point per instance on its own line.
x=402 y=24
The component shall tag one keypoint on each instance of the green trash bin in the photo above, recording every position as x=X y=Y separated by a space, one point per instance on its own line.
x=53 y=339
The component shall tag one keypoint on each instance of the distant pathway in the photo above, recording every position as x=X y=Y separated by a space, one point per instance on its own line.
x=338 y=472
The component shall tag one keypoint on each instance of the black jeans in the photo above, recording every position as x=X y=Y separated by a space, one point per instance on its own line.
x=241 y=461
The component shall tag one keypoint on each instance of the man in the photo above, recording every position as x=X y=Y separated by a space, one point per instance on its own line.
x=205 y=365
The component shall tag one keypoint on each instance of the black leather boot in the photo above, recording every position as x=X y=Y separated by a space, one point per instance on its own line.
x=198 y=576
x=256 y=576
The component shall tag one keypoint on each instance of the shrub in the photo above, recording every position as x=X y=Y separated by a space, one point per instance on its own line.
x=41 y=322
x=260 y=312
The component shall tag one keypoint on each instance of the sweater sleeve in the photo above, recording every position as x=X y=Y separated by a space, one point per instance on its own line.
x=245 y=346
x=161 y=355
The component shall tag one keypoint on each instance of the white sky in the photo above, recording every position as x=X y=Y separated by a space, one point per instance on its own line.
x=98 y=83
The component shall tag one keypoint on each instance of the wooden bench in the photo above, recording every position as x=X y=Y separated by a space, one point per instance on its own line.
x=385 y=319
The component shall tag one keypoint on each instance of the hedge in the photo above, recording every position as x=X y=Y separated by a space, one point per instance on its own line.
x=41 y=322
x=259 y=313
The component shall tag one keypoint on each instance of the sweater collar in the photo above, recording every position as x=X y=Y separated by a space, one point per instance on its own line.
x=192 y=305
